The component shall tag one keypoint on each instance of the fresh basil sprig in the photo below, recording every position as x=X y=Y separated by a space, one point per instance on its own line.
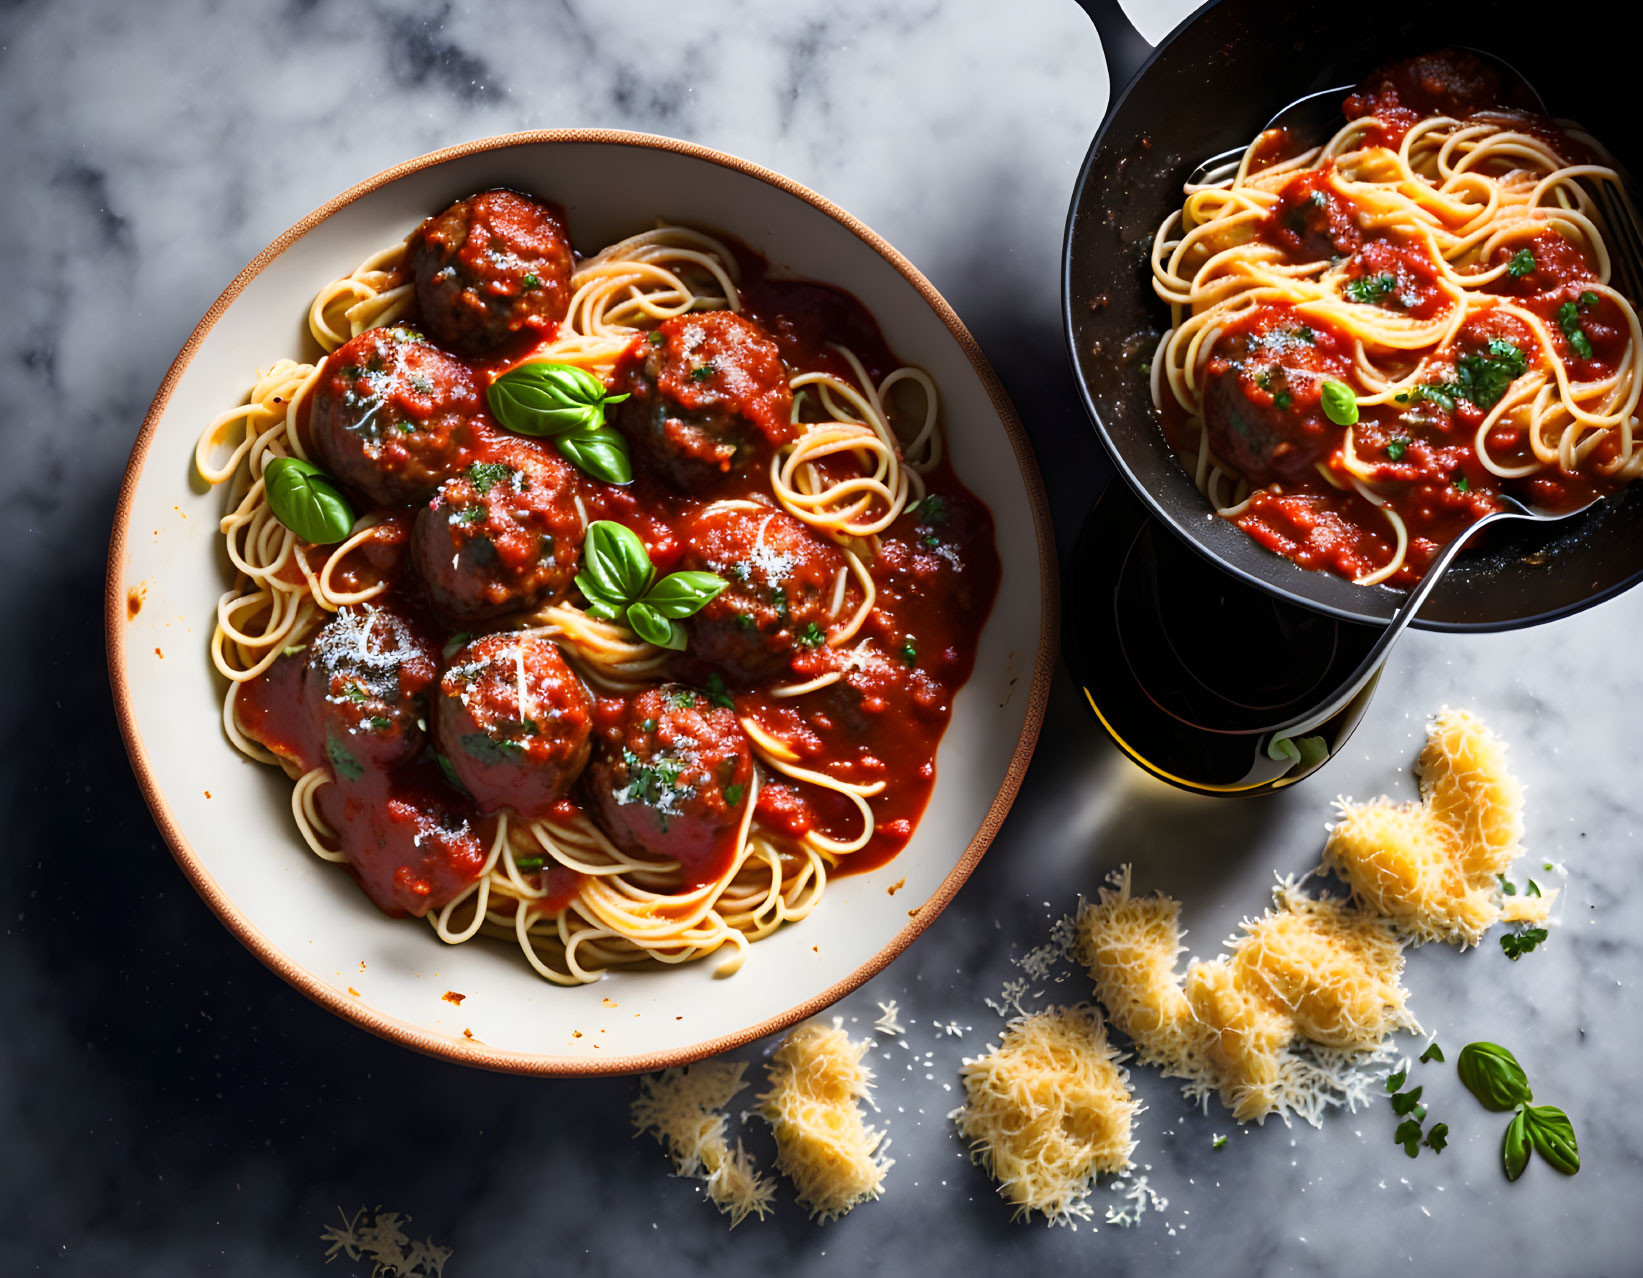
x=307 y=501
x=619 y=582
x=1492 y=1074
x=566 y=404
x=1340 y=404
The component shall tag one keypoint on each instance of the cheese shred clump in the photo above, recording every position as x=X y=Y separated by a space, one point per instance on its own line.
x=823 y=1143
x=1311 y=990
x=1433 y=867
x=684 y=1110
x=1047 y=1110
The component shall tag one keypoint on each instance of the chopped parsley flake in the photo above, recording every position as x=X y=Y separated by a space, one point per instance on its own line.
x=527 y=864
x=1517 y=944
x=487 y=475
x=1568 y=319
x=1437 y=1138
x=733 y=794
x=656 y=338
x=1396 y=448
x=1432 y=1053
x=909 y=653
x=1282 y=400
x=530 y=282
x=1523 y=261
x=1371 y=288
x=812 y=636
x=347 y=767
x=470 y=515
x=716 y=692
x=703 y=371
x=491 y=751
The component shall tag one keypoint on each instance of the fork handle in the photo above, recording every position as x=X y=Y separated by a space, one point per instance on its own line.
x=1371 y=664
x=1126 y=49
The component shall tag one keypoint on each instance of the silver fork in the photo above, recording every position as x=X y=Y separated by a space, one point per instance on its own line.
x=1271 y=743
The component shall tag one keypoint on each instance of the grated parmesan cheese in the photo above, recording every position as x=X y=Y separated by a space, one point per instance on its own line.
x=823 y=1144
x=1433 y=867
x=1047 y=1110
x=1528 y=909
x=1282 y=1025
x=888 y=1022
x=684 y=1110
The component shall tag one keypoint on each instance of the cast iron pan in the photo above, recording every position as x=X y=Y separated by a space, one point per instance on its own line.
x=1212 y=84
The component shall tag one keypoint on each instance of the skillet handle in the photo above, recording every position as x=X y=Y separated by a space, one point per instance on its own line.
x=1125 y=47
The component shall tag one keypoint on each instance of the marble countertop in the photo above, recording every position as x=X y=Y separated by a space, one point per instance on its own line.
x=168 y=1107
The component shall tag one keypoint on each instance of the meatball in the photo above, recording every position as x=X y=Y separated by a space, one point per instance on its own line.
x=706 y=391
x=1263 y=392
x=489 y=268
x=671 y=776
x=502 y=536
x=366 y=684
x=393 y=415
x=781 y=579
x=509 y=754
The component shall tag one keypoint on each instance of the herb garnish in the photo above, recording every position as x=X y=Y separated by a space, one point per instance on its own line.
x=1432 y=1053
x=307 y=501
x=485 y=476
x=1523 y=261
x=1397 y=447
x=347 y=767
x=716 y=691
x=1371 y=288
x=566 y=404
x=1493 y=1075
x=1516 y=944
x=733 y=794
x=703 y=371
x=1340 y=404
x=1481 y=377
x=909 y=653
x=812 y=636
x=1568 y=319
x=619 y=582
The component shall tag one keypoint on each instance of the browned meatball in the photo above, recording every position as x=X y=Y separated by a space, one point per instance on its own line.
x=393 y=415
x=505 y=753
x=502 y=536
x=778 y=602
x=491 y=267
x=366 y=683
x=1263 y=393
x=671 y=777
x=708 y=391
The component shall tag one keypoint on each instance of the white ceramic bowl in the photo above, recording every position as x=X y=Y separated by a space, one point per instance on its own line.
x=228 y=820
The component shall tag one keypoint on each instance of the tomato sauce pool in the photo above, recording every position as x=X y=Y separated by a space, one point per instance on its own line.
x=414 y=842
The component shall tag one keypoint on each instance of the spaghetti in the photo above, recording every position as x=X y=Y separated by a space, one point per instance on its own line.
x=332 y=671
x=1372 y=340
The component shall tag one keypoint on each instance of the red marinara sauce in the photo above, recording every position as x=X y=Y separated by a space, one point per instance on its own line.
x=414 y=841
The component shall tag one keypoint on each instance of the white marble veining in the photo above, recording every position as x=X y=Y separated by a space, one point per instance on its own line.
x=169 y=1107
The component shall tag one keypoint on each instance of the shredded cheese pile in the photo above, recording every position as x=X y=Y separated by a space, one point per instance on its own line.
x=1047 y=1110
x=1432 y=867
x=1310 y=988
x=823 y=1143
x=684 y=1110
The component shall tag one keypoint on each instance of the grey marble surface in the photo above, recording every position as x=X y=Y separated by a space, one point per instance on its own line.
x=169 y=1107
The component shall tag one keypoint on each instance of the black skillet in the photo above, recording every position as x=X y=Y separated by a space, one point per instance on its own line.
x=1190 y=640
x=1212 y=84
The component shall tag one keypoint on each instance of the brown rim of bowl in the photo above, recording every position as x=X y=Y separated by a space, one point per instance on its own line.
x=476 y=1053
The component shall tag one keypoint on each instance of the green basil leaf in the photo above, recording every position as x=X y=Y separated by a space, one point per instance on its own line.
x=604 y=610
x=682 y=594
x=1492 y=1074
x=547 y=399
x=1553 y=1135
x=1340 y=404
x=602 y=453
x=616 y=567
x=1514 y=1149
x=343 y=763
x=654 y=628
x=307 y=501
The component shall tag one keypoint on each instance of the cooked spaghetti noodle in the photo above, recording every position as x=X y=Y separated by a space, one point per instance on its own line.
x=1448 y=268
x=577 y=900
